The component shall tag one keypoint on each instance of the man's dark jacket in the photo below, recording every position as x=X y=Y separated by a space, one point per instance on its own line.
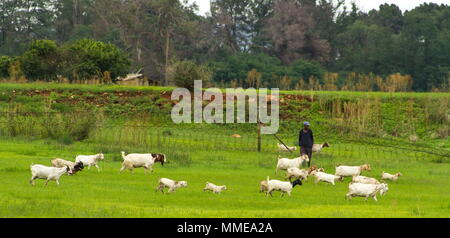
x=306 y=139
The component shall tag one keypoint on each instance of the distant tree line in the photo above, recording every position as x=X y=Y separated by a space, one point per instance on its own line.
x=288 y=43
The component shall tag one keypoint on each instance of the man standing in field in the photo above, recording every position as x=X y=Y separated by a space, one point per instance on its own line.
x=306 y=141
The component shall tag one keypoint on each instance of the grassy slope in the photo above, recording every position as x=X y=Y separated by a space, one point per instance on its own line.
x=103 y=88
x=422 y=192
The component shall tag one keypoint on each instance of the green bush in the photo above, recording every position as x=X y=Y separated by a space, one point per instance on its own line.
x=82 y=59
x=5 y=62
x=88 y=58
x=237 y=66
x=183 y=74
x=306 y=69
x=41 y=60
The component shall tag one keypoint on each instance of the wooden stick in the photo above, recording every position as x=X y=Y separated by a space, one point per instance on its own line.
x=282 y=143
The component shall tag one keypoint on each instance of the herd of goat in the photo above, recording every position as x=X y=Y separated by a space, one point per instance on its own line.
x=360 y=186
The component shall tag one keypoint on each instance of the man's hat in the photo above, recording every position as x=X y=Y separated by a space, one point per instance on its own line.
x=306 y=123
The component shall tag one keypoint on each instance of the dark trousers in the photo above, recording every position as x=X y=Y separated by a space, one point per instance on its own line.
x=307 y=151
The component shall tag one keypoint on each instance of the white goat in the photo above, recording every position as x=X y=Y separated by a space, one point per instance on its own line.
x=60 y=163
x=297 y=173
x=283 y=187
x=214 y=188
x=146 y=161
x=48 y=173
x=284 y=164
x=324 y=177
x=318 y=147
x=366 y=190
x=364 y=179
x=283 y=148
x=90 y=160
x=171 y=184
x=351 y=171
x=388 y=176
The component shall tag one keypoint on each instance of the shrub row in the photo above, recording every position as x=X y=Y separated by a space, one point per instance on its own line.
x=78 y=60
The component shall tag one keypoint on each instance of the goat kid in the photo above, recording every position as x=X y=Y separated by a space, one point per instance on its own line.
x=388 y=176
x=171 y=184
x=214 y=188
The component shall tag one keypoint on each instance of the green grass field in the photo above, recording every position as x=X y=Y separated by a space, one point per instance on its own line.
x=39 y=122
x=422 y=192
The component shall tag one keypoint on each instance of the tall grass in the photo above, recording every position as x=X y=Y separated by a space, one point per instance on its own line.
x=64 y=127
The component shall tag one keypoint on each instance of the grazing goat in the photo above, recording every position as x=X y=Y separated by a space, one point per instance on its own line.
x=366 y=190
x=324 y=177
x=283 y=148
x=74 y=167
x=214 y=188
x=48 y=173
x=132 y=161
x=351 y=171
x=296 y=173
x=90 y=160
x=284 y=164
x=393 y=177
x=318 y=147
x=171 y=184
x=283 y=187
x=364 y=179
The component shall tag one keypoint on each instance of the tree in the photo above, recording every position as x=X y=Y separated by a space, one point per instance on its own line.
x=261 y=11
x=184 y=73
x=5 y=63
x=126 y=24
x=389 y=16
x=85 y=59
x=41 y=60
x=325 y=14
x=293 y=36
x=237 y=66
x=154 y=32
x=367 y=48
x=168 y=14
x=303 y=69
x=231 y=18
x=22 y=21
x=73 y=19
x=424 y=38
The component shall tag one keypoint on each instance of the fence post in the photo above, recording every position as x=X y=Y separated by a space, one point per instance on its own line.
x=259 y=136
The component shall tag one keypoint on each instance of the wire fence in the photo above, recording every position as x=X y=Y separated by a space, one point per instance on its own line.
x=108 y=136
